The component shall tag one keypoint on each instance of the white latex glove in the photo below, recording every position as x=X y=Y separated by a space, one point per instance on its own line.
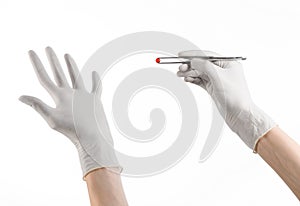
x=225 y=82
x=88 y=130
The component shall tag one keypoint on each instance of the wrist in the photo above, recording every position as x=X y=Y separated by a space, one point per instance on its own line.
x=105 y=188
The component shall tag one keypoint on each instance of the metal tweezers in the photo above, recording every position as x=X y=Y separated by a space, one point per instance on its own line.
x=187 y=59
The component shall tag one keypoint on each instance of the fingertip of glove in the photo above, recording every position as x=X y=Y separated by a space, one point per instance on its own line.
x=95 y=74
x=183 y=67
x=66 y=56
x=179 y=74
x=31 y=53
x=24 y=99
x=48 y=48
x=21 y=98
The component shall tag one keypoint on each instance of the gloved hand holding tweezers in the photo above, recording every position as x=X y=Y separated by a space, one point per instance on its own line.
x=224 y=81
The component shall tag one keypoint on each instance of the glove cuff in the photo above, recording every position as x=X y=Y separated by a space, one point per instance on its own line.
x=89 y=164
x=252 y=125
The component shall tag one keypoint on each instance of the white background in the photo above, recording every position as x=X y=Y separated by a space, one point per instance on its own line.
x=40 y=167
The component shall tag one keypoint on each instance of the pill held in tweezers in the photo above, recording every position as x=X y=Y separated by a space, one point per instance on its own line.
x=187 y=59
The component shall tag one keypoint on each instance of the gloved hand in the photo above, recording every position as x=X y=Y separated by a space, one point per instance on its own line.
x=86 y=125
x=225 y=82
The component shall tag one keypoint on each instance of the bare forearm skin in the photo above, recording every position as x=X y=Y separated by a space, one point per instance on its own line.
x=283 y=154
x=105 y=188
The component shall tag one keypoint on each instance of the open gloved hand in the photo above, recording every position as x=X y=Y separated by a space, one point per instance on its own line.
x=226 y=84
x=79 y=114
